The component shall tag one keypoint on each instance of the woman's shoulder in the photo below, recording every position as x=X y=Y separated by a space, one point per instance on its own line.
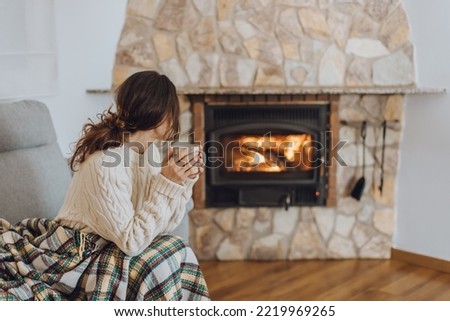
x=125 y=158
x=105 y=166
x=102 y=170
x=110 y=158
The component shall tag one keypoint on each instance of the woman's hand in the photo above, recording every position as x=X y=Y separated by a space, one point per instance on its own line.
x=179 y=170
x=198 y=162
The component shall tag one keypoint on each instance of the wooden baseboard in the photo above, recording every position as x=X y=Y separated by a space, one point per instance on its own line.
x=421 y=260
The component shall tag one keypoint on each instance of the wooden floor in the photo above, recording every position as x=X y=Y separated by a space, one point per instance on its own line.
x=324 y=280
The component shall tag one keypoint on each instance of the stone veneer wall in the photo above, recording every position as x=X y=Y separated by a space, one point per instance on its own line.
x=279 y=44
x=253 y=43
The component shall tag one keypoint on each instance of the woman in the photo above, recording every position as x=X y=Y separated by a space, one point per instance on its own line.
x=121 y=188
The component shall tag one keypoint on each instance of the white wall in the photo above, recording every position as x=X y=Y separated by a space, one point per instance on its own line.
x=423 y=224
x=87 y=32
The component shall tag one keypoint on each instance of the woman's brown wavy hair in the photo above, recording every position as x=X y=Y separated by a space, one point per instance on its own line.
x=144 y=101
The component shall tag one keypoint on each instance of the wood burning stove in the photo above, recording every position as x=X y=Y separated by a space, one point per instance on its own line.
x=266 y=155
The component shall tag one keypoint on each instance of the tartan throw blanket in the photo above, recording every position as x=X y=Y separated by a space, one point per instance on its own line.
x=43 y=260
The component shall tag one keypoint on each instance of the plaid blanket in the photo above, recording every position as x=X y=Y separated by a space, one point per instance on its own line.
x=42 y=260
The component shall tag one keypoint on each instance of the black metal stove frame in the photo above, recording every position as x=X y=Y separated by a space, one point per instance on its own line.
x=252 y=189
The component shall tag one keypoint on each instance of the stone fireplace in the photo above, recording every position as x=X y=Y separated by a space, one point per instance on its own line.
x=353 y=56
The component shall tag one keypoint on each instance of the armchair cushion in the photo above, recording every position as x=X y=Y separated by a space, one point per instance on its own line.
x=25 y=124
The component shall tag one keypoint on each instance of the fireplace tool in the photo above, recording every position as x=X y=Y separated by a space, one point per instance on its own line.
x=380 y=188
x=358 y=189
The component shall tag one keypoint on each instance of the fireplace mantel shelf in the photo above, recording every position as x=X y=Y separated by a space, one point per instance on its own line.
x=300 y=91
x=312 y=91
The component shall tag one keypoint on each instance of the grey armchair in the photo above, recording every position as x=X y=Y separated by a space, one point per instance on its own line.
x=34 y=175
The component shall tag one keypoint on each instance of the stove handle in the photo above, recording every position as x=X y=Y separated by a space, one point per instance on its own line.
x=287 y=201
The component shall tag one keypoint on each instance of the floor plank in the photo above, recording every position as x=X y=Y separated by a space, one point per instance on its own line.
x=381 y=280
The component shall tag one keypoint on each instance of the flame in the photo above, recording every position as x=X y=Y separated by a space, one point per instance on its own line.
x=274 y=153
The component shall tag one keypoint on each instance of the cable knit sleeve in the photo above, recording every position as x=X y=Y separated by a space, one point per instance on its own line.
x=180 y=209
x=114 y=217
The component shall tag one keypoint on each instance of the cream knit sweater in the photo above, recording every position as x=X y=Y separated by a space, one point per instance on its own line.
x=122 y=196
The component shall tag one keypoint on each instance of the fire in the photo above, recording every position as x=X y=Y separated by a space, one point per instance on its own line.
x=269 y=153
